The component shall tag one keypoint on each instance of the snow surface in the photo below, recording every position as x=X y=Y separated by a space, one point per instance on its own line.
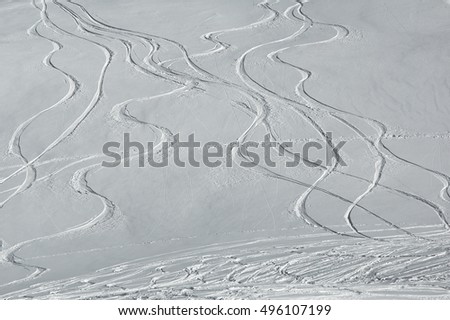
x=77 y=73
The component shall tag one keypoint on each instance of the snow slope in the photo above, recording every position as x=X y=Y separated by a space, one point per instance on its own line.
x=77 y=73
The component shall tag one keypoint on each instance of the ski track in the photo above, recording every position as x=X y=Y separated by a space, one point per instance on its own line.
x=261 y=268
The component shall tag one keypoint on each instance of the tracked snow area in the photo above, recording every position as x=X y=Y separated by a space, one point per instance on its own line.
x=76 y=74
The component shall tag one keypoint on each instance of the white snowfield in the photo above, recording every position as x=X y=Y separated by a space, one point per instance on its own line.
x=76 y=74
